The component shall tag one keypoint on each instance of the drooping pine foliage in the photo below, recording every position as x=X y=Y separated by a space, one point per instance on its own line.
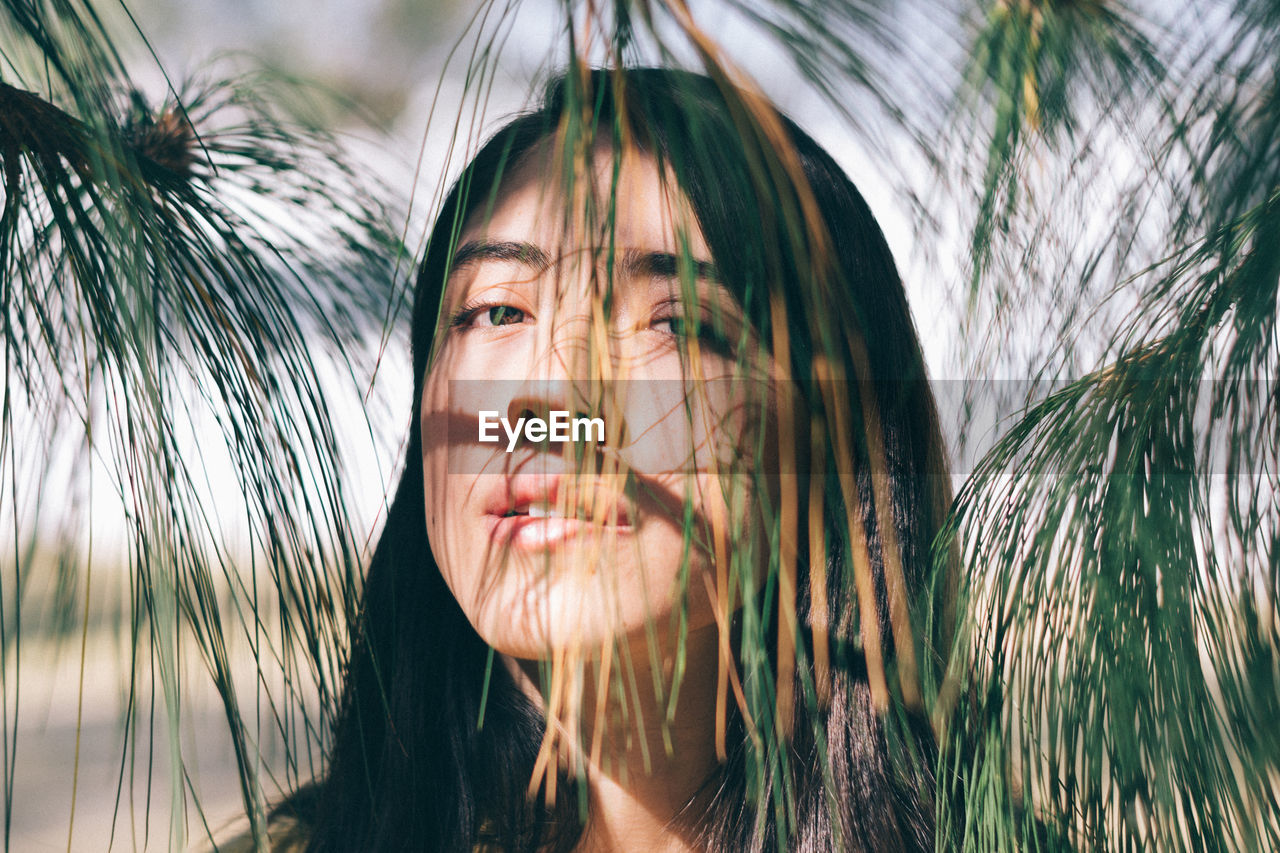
x=174 y=266
x=1115 y=172
x=1119 y=661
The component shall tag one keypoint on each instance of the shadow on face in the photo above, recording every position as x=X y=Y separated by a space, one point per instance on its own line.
x=592 y=412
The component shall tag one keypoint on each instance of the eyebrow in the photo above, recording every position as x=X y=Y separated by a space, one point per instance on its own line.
x=633 y=263
x=666 y=265
x=478 y=251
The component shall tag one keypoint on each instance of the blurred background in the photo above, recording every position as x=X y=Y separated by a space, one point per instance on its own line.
x=1075 y=192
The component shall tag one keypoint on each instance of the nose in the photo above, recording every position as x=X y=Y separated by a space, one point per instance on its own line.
x=572 y=366
x=569 y=414
x=537 y=398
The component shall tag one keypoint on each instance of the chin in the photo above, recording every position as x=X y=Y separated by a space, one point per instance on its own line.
x=573 y=618
x=588 y=593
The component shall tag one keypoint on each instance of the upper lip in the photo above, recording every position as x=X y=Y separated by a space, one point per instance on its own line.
x=582 y=497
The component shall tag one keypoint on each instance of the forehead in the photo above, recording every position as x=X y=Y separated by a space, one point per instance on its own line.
x=616 y=200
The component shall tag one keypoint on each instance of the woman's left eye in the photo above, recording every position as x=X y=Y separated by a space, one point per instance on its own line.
x=674 y=325
x=481 y=316
x=684 y=328
x=501 y=315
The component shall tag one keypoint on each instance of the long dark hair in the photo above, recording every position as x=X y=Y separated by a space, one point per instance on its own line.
x=410 y=768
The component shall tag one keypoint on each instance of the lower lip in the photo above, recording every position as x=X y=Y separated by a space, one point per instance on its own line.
x=534 y=533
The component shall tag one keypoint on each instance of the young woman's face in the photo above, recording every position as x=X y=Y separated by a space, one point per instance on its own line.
x=548 y=308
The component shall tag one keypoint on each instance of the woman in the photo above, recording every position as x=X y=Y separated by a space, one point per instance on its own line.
x=667 y=256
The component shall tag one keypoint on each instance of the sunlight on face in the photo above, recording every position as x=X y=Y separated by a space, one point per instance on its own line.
x=582 y=543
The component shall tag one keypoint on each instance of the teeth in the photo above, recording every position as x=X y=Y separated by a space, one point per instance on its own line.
x=543 y=510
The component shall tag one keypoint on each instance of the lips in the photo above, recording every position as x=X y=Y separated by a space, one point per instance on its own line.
x=540 y=510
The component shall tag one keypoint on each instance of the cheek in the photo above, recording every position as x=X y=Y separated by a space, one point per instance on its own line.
x=443 y=485
x=434 y=426
x=710 y=428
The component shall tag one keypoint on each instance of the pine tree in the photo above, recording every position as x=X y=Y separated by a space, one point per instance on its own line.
x=1112 y=174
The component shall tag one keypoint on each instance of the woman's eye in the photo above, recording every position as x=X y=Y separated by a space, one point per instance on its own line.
x=501 y=315
x=488 y=315
x=678 y=326
x=684 y=328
